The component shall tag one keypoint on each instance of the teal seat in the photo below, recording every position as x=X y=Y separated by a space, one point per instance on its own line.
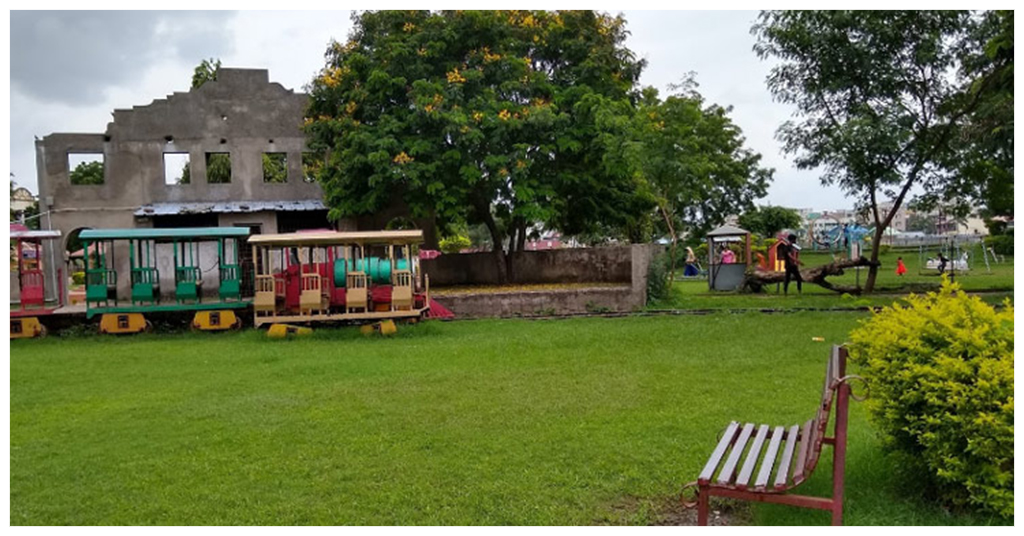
x=145 y=285
x=187 y=280
x=230 y=283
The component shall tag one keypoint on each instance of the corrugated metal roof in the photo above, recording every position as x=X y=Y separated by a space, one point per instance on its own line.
x=179 y=232
x=728 y=230
x=171 y=209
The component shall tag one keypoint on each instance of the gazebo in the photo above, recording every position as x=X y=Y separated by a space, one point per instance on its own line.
x=726 y=270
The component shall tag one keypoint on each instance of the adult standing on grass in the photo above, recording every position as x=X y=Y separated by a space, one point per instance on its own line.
x=790 y=253
x=691 y=269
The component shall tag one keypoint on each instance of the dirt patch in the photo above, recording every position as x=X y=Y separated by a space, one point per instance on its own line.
x=670 y=512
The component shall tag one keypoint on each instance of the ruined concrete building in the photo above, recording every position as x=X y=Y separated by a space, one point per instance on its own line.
x=156 y=162
x=229 y=153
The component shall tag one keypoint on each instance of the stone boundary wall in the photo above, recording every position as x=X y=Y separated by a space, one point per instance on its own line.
x=631 y=296
x=577 y=265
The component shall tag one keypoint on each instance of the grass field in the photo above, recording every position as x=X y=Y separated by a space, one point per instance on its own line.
x=996 y=285
x=583 y=421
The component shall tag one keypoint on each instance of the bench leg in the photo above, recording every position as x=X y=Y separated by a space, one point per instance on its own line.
x=702 y=506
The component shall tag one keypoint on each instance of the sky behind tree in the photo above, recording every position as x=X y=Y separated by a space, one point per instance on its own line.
x=70 y=70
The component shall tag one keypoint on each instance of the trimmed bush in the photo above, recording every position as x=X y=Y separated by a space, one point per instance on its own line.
x=941 y=376
x=657 y=278
x=78 y=278
x=1001 y=244
x=454 y=244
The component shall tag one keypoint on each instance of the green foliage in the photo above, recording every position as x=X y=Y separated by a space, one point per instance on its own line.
x=88 y=173
x=454 y=244
x=1001 y=244
x=769 y=221
x=205 y=72
x=275 y=168
x=657 y=278
x=689 y=156
x=878 y=101
x=473 y=117
x=941 y=375
x=218 y=168
x=78 y=278
x=984 y=144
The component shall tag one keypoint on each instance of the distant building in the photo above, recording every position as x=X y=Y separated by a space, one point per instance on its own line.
x=21 y=199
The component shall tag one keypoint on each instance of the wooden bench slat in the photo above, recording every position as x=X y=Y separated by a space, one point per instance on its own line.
x=729 y=469
x=787 y=457
x=769 y=457
x=755 y=452
x=716 y=456
x=805 y=449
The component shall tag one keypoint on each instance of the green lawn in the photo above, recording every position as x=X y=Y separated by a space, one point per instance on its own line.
x=996 y=285
x=474 y=422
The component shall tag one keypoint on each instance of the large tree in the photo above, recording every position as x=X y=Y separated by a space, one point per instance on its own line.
x=769 y=221
x=689 y=157
x=475 y=117
x=879 y=99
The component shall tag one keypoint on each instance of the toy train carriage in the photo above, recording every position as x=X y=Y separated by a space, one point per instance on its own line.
x=32 y=273
x=338 y=276
x=147 y=251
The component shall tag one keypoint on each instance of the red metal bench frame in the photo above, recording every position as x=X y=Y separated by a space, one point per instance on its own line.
x=789 y=472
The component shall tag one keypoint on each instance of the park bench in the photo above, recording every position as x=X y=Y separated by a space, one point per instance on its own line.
x=790 y=453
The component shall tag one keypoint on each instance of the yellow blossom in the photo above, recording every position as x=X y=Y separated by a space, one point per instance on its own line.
x=421 y=52
x=520 y=164
x=402 y=158
x=350 y=108
x=408 y=27
x=504 y=115
x=478 y=116
x=454 y=77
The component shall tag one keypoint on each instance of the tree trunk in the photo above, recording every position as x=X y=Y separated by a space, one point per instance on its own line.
x=672 y=252
x=876 y=245
x=497 y=245
x=757 y=279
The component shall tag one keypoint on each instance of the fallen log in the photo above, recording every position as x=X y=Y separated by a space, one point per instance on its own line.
x=756 y=280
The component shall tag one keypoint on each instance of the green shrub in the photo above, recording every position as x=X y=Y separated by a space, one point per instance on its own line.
x=454 y=244
x=941 y=375
x=78 y=278
x=1001 y=244
x=657 y=278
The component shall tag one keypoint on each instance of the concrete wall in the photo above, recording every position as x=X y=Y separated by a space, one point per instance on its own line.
x=631 y=296
x=580 y=265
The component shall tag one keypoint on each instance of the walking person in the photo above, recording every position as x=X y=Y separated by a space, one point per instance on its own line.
x=790 y=253
x=900 y=267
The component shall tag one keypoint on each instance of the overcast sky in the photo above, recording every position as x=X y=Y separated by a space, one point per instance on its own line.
x=70 y=70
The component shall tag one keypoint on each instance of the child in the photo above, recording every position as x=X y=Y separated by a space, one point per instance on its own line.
x=900 y=267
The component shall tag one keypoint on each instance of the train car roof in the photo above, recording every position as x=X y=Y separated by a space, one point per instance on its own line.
x=40 y=235
x=326 y=238
x=171 y=232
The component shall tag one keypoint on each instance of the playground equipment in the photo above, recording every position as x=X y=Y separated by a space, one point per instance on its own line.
x=723 y=274
x=32 y=273
x=329 y=276
x=957 y=254
x=146 y=282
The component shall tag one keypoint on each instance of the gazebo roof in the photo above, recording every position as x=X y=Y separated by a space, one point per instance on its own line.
x=728 y=230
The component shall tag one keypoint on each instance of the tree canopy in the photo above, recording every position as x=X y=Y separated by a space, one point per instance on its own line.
x=880 y=98
x=478 y=117
x=204 y=72
x=769 y=221
x=87 y=173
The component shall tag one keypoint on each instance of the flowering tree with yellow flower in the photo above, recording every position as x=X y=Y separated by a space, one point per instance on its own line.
x=478 y=117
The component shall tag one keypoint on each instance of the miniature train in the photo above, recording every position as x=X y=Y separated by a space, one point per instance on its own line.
x=302 y=277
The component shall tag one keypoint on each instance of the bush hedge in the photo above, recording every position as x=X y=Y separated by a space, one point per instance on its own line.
x=1001 y=244
x=78 y=278
x=941 y=376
